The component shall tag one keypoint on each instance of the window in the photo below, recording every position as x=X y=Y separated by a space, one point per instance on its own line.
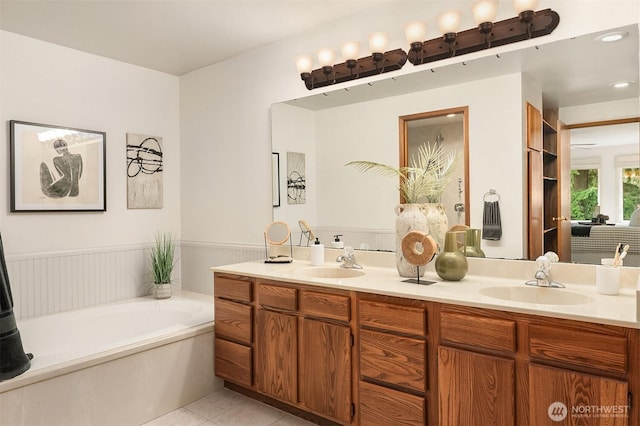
x=630 y=191
x=584 y=193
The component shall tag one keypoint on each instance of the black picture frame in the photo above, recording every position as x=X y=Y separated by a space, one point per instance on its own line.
x=57 y=168
x=275 y=179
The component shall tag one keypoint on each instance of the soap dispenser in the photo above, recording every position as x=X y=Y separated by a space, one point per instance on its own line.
x=317 y=253
x=337 y=243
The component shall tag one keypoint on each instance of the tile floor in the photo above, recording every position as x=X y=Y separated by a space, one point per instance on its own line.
x=227 y=408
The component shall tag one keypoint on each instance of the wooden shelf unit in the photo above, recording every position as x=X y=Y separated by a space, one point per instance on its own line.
x=545 y=198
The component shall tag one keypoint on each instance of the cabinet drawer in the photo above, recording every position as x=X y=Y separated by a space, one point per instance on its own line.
x=234 y=289
x=233 y=320
x=577 y=348
x=382 y=406
x=478 y=331
x=233 y=362
x=277 y=297
x=403 y=319
x=396 y=360
x=325 y=305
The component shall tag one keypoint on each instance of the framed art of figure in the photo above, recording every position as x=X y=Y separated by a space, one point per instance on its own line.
x=56 y=168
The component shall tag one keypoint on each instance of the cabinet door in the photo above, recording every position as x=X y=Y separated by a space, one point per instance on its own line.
x=475 y=389
x=576 y=399
x=277 y=363
x=325 y=369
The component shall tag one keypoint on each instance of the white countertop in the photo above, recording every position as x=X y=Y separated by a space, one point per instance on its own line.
x=617 y=310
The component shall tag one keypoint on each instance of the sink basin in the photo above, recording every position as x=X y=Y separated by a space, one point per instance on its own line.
x=330 y=272
x=541 y=295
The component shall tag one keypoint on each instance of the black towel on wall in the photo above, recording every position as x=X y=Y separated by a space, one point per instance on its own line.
x=491 y=223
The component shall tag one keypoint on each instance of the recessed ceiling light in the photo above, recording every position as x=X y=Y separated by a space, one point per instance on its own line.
x=451 y=115
x=613 y=36
x=621 y=84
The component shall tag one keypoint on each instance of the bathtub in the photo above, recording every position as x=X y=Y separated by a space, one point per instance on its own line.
x=117 y=364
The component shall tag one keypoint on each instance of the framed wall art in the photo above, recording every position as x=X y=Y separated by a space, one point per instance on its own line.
x=296 y=178
x=275 y=179
x=144 y=171
x=56 y=168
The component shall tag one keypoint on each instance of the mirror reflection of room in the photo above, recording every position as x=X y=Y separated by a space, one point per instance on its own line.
x=362 y=124
x=605 y=190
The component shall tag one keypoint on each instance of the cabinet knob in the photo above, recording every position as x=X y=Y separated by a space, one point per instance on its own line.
x=560 y=219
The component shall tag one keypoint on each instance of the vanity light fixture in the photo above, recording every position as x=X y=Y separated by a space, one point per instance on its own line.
x=380 y=61
x=449 y=22
x=528 y=24
x=326 y=58
x=484 y=13
x=415 y=32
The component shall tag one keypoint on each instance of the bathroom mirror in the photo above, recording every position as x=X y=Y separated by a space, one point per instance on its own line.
x=362 y=124
x=277 y=234
x=446 y=128
x=306 y=234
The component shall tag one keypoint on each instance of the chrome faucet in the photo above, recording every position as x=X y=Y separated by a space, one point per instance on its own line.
x=543 y=274
x=348 y=259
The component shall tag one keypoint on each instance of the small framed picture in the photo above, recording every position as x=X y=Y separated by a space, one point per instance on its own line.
x=275 y=179
x=56 y=168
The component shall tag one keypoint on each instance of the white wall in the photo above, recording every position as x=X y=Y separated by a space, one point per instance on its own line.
x=369 y=131
x=294 y=130
x=50 y=84
x=60 y=261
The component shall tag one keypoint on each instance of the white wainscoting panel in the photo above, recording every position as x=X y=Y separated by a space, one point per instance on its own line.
x=198 y=258
x=46 y=283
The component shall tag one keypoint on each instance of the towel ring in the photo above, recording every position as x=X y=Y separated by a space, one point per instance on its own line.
x=491 y=193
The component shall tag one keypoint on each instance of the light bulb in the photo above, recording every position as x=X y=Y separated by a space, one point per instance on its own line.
x=525 y=5
x=326 y=57
x=304 y=63
x=350 y=50
x=484 y=11
x=415 y=31
x=378 y=42
x=449 y=22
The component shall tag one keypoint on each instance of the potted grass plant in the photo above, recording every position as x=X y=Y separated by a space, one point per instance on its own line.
x=162 y=262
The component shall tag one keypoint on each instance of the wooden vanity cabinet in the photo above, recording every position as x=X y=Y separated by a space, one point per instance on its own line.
x=393 y=383
x=506 y=368
x=592 y=369
x=359 y=358
x=233 y=314
x=304 y=342
x=476 y=369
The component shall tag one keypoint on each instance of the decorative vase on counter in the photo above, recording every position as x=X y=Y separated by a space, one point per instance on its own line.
x=472 y=247
x=451 y=264
x=162 y=291
x=410 y=217
x=437 y=222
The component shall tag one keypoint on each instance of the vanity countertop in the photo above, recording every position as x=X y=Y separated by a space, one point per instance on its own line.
x=617 y=310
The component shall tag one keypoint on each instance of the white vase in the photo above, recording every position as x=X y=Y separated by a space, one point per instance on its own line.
x=410 y=217
x=437 y=222
x=429 y=218
x=162 y=291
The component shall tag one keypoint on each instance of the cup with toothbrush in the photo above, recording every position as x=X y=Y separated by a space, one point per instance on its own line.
x=608 y=272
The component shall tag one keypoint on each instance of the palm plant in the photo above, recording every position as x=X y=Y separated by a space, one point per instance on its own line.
x=162 y=254
x=426 y=177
